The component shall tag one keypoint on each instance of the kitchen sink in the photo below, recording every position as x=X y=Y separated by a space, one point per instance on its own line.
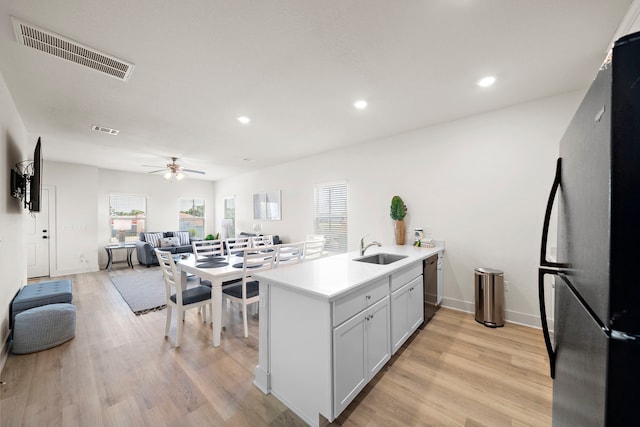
x=381 y=259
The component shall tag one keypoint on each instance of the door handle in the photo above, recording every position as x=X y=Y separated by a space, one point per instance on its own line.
x=547 y=219
x=543 y=319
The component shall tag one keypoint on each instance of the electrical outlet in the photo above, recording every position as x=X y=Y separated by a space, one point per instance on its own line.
x=506 y=286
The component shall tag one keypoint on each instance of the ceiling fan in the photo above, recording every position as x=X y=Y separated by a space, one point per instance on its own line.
x=173 y=170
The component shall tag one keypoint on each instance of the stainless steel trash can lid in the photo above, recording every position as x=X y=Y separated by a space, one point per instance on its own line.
x=488 y=271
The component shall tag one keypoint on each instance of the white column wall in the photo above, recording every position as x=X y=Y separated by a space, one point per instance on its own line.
x=15 y=148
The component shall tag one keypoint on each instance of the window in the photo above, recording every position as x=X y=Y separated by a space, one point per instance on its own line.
x=229 y=221
x=127 y=215
x=330 y=211
x=192 y=217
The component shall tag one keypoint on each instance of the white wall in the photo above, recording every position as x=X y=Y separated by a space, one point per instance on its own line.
x=82 y=209
x=479 y=183
x=74 y=217
x=13 y=264
x=162 y=201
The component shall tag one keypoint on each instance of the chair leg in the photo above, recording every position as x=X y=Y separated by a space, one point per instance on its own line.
x=244 y=319
x=168 y=326
x=180 y=327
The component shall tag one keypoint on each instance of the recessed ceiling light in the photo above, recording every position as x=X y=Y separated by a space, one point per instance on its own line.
x=360 y=104
x=244 y=120
x=486 y=81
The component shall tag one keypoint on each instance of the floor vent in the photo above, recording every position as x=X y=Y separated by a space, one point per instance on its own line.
x=62 y=47
x=105 y=130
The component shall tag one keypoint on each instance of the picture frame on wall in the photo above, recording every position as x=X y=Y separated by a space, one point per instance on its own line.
x=266 y=206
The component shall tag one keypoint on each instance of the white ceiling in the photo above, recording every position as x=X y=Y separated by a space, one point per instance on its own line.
x=294 y=66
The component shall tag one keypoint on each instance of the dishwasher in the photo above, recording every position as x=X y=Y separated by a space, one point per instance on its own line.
x=430 y=282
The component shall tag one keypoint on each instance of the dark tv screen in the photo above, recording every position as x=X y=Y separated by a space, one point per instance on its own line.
x=36 y=180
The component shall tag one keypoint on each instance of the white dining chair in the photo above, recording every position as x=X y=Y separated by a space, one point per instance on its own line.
x=289 y=254
x=258 y=241
x=207 y=248
x=313 y=249
x=181 y=299
x=237 y=244
x=248 y=292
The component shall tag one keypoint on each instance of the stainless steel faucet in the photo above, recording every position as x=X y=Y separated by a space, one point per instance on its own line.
x=364 y=248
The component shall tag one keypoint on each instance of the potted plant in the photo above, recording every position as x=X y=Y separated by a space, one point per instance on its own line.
x=398 y=212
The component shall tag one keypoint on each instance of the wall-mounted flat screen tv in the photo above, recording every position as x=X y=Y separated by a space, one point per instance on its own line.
x=35 y=183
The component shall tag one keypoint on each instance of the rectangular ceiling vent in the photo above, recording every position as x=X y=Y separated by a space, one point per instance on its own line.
x=105 y=130
x=62 y=47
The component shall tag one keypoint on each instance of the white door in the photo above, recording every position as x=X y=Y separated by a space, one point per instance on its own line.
x=38 y=239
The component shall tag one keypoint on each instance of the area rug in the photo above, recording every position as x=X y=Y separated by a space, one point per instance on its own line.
x=143 y=292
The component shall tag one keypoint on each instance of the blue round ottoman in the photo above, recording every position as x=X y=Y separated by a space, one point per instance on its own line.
x=43 y=327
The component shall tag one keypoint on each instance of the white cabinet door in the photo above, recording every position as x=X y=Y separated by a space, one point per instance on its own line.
x=378 y=352
x=399 y=317
x=350 y=360
x=407 y=312
x=416 y=304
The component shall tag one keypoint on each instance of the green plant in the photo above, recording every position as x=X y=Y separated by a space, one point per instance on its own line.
x=398 y=208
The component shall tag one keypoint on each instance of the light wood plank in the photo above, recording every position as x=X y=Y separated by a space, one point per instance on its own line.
x=119 y=370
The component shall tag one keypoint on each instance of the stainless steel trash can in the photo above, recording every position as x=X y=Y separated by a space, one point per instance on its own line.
x=489 y=287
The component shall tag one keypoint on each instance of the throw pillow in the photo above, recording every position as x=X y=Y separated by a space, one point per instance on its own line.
x=153 y=239
x=183 y=236
x=169 y=242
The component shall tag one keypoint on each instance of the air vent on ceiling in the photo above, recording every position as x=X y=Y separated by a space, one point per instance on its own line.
x=62 y=47
x=105 y=130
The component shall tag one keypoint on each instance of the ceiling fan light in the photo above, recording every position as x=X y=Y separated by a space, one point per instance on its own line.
x=179 y=176
x=167 y=176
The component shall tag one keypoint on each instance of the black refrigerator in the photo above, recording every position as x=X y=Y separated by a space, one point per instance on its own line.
x=594 y=350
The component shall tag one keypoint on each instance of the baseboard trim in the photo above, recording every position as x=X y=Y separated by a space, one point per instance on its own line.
x=510 y=316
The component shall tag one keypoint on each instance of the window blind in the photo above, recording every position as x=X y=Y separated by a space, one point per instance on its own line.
x=330 y=215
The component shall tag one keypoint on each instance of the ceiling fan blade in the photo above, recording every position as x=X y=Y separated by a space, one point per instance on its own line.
x=194 y=171
x=159 y=170
x=151 y=166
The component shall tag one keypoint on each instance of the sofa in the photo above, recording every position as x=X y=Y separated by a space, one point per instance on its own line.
x=176 y=242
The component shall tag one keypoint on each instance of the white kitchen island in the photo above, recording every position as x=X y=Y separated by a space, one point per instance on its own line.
x=328 y=326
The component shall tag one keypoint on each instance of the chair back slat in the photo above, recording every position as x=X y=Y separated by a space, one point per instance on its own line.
x=289 y=254
x=170 y=274
x=259 y=241
x=207 y=248
x=237 y=244
x=313 y=249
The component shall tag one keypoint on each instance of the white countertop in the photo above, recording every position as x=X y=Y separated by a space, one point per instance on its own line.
x=331 y=277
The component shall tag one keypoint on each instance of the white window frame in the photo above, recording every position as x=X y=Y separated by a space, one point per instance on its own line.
x=138 y=221
x=186 y=201
x=330 y=214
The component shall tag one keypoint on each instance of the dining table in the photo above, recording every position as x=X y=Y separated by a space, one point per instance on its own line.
x=217 y=270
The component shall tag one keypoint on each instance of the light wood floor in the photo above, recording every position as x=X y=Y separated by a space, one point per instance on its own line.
x=120 y=371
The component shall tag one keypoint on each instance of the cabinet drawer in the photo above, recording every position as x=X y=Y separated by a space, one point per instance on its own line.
x=403 y=277
x=352 y=304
